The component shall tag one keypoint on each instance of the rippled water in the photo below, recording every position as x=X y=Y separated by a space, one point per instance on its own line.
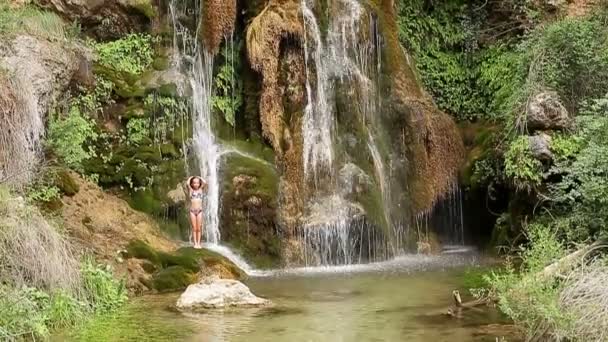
x=400 y=300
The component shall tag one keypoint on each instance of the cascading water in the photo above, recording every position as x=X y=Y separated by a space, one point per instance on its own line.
x=346 y=56
x=446 y=219
x=318 y=118
x=197 y=63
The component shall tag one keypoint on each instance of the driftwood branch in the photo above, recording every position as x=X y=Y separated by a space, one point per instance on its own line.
x=561 y=266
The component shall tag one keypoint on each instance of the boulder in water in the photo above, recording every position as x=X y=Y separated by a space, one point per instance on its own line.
x=214 y=293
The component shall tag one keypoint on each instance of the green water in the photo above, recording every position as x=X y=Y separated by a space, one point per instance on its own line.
x=371 y=305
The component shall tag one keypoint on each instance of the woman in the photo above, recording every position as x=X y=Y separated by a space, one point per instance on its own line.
x=196 y=185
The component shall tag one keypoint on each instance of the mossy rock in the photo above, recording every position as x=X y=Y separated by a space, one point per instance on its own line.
x=210 y=258
x=168 y=150
x=146 y=201
x=161 y=63
x=66 y=183
x=189 y=262
x=173 y=278
x=144 y=7
x=141 y=250
x=186 y=259
x=168 y=90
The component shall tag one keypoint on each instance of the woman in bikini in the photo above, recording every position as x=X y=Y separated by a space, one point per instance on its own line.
x=196 y=185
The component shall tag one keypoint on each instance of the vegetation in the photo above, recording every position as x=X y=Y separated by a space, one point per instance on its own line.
x=32 y=20
x=44 y=285
x=486 y=61
x=131 y=54
x=228 y=86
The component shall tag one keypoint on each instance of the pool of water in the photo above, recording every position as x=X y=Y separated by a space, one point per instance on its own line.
x=400 y=300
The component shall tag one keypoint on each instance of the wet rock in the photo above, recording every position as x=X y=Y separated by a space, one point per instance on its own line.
x=106 y=19
x=540 y=146
x=214 y=293
x=177 y=195
x=546 y=111
x=44 y=68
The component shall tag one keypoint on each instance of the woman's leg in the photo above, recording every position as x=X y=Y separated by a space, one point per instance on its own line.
x=199 y=226
x=193 y=227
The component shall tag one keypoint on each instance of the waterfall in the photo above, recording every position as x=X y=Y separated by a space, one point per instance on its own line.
x=318 y=117
x=350 y=56
x=197 y=64
x=446 y=219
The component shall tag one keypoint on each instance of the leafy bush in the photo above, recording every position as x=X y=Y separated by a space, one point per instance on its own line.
x=131 y=54
x=531 y=301
x=443 y=41
x=103 y=291
x=138 y=129
x=67 y=136
x=228 y=86
x=520 y=165
x=569 y=56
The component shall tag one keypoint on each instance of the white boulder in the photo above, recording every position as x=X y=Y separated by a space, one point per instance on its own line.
x=218 y=293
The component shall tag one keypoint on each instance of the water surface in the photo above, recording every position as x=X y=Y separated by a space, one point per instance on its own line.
x=400 y=300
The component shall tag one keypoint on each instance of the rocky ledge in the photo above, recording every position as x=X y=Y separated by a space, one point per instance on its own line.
x=215 y=293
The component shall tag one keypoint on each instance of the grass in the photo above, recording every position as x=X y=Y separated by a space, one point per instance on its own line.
x=34 y=21
x=45 y=286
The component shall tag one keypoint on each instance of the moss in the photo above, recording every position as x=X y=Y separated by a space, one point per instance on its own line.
x=145 y=7
x=144 y=200
x=210 y=259
x=172 y=278
x=168 y=90
x=148 y=154
x=161 y=63
x=266 y=176
x=126 y=85
x=141 y=250
x=168 y=150
x=66 y=184
x=186 y=261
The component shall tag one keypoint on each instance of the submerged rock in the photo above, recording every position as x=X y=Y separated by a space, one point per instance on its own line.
x=546 y=111
x=215 y=293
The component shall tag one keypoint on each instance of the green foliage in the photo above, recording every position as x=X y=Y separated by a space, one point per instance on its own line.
x=531 y=301
x=520 y=165
x=103 y=292
x=569 y=56
x=131 y=54
x=168 y=113
x=579 y=200
x=443 y=42
x=138 y=129
x=29 y=312
x=565 y=146
x=67 y=136
x=20 y=314
x=228 y=86
x=43 y=193
x=32 y=20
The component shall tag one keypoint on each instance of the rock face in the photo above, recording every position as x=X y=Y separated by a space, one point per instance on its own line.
x=36 y=72
x=546 y=111
x=540 y=146
x=218 y=293
x=106 y=19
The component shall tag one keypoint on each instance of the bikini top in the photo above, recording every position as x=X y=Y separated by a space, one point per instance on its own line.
x=196 y=195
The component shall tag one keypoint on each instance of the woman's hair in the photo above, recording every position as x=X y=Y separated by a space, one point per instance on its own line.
x=200 y=182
